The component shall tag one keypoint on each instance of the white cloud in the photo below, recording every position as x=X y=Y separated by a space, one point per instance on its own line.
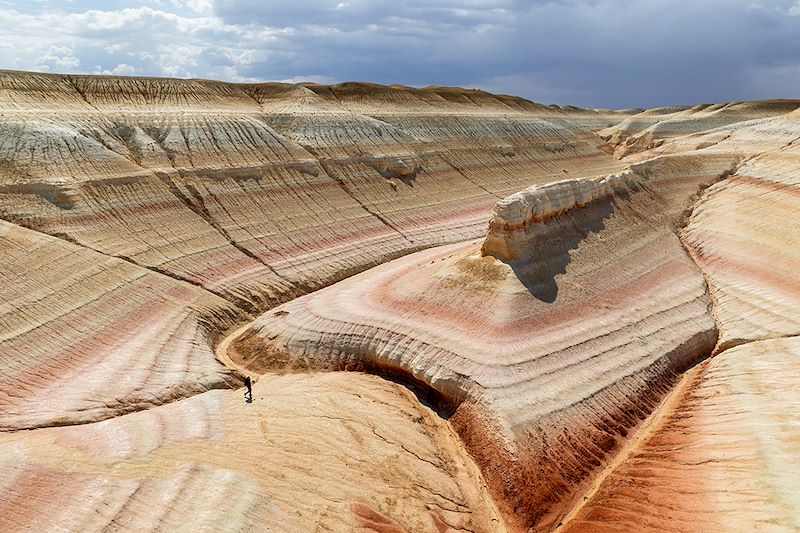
x=204 y=7
x=57 y=58
x=140 y=40
x=123 y=69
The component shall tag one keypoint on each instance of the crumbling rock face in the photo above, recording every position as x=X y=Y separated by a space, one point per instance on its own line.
x=517 y=216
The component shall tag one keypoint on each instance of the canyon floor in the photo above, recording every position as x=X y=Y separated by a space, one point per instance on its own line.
x=460 y=311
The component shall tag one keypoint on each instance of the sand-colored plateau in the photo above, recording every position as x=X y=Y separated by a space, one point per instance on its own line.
x=461 y=311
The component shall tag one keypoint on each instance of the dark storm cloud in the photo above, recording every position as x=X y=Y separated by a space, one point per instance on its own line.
x=615 y=53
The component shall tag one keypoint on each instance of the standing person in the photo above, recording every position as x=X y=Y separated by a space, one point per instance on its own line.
x=248 y=396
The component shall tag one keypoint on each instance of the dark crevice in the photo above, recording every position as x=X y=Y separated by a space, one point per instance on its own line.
x=464 y=175
x=74 y=85
x=682 y=227
x=676 y=385
x=197 y=205
x=258 y=355
x=427 y=395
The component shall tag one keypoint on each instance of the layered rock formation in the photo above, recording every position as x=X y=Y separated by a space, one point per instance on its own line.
x=254 y=193
x=162 y=238
x=721 y=457
x=741 y=231
x=653 y=127
x=261 y=193
x=743 y=234
x=85 y=337
x=719 y=453
x=144 y=217
x=545 y=420
x=547 y=347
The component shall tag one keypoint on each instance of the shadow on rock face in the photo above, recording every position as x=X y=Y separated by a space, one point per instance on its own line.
x=549 y=247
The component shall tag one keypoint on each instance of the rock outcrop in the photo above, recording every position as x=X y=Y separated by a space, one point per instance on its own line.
x=546 y=348
x=519 y=219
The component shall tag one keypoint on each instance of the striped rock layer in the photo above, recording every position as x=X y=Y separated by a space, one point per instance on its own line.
x=85 y=337
x=545 y=348
x=720 y=454
x=259 y=193
x=143 y=218
x=167 y=210
x=723 y=457
x=742 y=230
x=743 y=234
x=652 y=128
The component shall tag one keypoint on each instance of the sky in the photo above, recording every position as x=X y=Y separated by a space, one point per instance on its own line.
x=592 y=53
